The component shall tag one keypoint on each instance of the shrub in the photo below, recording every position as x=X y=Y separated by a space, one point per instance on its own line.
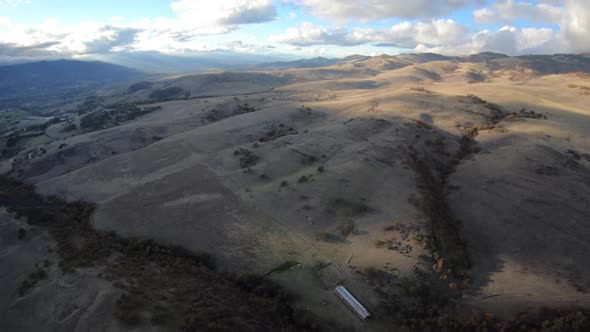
x=308 y=160
x=395 y=227
x=476 y=99
x=326 y=237
x=21 y=233
x=32 y=279
x=303 y=179
x=166 y=93
x=347 y=228
x=379 y=243
x=305 y=110
x=247 y=158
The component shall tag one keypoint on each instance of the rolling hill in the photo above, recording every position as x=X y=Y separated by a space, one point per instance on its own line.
x=446 y=193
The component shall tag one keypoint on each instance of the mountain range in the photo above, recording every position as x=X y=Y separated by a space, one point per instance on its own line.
x=47 y=76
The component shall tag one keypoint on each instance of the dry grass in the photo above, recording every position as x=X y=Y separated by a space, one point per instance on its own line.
x=155 y=277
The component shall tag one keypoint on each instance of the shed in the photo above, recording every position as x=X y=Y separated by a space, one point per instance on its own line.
x=353 y=303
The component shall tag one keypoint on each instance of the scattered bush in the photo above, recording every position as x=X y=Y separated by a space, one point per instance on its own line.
x=475 y=77
x=326 y=237
x=21 y=234
x=32 y=279
x=347 y=208
x=139 y=86
x=373 y=104
x=303 y=179
x=308 y=160
x=247 y=157
x=305 y=110
x=166 y=93
x=476 y=99
x=395 y=227
x=379 y=243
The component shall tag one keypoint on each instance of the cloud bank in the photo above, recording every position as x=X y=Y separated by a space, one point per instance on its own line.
x=550 y=26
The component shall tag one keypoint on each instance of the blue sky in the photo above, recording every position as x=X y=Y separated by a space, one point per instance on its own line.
x=70 y=11
x=301 y=28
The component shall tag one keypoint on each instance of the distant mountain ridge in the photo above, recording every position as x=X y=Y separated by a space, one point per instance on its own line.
x=303 y=63
x=49 y=77
x=38 y=77
x=541 y=64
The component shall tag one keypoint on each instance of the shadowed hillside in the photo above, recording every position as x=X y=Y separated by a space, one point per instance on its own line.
x=47 y=76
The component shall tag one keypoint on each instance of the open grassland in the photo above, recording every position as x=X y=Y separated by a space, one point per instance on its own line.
x=450 y=195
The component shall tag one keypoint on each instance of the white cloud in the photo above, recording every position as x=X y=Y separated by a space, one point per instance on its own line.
x=200 y=26
x=405 y=35
x=310 y=34
x=508 y=11
x=440 y=36
x=437 y=33
x=572 y=16
x=192 y=21
x=575 y=25
x=366 y=10
x=449 y=37
x=4 y=21
x=225 y=12
x=507 y=40
x=111 y=38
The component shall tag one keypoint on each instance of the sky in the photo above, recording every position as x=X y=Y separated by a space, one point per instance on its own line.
x=39 y=29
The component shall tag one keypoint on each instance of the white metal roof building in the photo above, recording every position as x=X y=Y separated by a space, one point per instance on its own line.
x=355 y=305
